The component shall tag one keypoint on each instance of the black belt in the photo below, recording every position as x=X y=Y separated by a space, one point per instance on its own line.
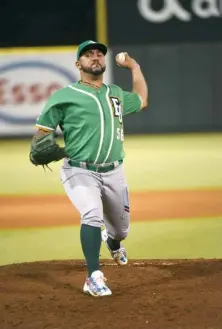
x=96 y=167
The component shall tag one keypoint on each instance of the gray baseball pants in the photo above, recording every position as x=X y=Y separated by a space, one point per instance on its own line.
x=100 y=198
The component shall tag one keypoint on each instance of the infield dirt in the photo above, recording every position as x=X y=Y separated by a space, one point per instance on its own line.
x=41 y=211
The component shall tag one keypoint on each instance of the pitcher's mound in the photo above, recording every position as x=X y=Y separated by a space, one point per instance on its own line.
x=146 y=294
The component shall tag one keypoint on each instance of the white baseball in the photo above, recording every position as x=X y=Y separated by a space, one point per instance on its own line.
x=121 y=57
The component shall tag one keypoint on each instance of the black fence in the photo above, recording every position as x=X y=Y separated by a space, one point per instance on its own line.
x=184 y=87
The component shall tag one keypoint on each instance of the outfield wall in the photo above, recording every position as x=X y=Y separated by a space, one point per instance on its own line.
x=184 y=86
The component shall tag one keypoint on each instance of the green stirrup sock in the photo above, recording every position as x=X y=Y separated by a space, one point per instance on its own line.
x=91 y=242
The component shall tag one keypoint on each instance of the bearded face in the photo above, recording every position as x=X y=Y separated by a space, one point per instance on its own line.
x=92 y=62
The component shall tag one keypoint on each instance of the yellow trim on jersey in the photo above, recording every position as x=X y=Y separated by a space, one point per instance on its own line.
x=141 y=101
x=101 y=21
x=47 y=129
x=36 y=50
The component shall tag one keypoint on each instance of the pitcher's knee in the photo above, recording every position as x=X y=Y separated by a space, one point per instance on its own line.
x=120 y=235
x=92 y=218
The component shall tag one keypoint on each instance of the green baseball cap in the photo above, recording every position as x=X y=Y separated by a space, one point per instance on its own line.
x=89 y=44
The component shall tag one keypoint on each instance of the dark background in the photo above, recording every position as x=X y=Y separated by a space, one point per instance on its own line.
x=46 y=23
x=185 y=83
x=181 y=61
x=182 y=65
x=132 y=29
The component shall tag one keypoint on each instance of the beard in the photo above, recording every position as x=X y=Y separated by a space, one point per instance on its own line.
x=96 y=70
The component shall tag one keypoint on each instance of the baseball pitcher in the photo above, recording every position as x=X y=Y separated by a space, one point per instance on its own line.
x=90 y=115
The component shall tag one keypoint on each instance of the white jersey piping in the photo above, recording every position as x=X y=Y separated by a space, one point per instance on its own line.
x=112 y=125
x=101 y=118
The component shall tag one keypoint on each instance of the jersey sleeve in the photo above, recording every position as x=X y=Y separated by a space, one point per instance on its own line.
x=131 y=102
x=51 y=115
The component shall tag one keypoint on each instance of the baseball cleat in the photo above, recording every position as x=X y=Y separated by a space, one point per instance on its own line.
x=119 y=255
x=95 y=285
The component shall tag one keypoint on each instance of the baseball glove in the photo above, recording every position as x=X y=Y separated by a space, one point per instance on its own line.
x=44 y=150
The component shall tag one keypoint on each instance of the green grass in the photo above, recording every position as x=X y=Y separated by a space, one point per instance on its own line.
x=162 y=162
x=168 y=239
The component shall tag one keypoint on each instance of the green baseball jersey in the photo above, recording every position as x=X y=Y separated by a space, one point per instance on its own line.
x=91 y=120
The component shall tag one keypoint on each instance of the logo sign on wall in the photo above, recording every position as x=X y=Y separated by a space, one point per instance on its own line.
x=162 y=21
x=204 y=9
x=27 y=80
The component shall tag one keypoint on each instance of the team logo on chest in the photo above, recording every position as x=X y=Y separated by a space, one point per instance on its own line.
x=117 y=107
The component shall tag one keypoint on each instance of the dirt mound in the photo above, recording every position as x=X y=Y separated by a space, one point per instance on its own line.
x=146 y=294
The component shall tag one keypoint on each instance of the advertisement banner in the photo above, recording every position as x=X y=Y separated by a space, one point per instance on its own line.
x=28 y=78
x=147 y=21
